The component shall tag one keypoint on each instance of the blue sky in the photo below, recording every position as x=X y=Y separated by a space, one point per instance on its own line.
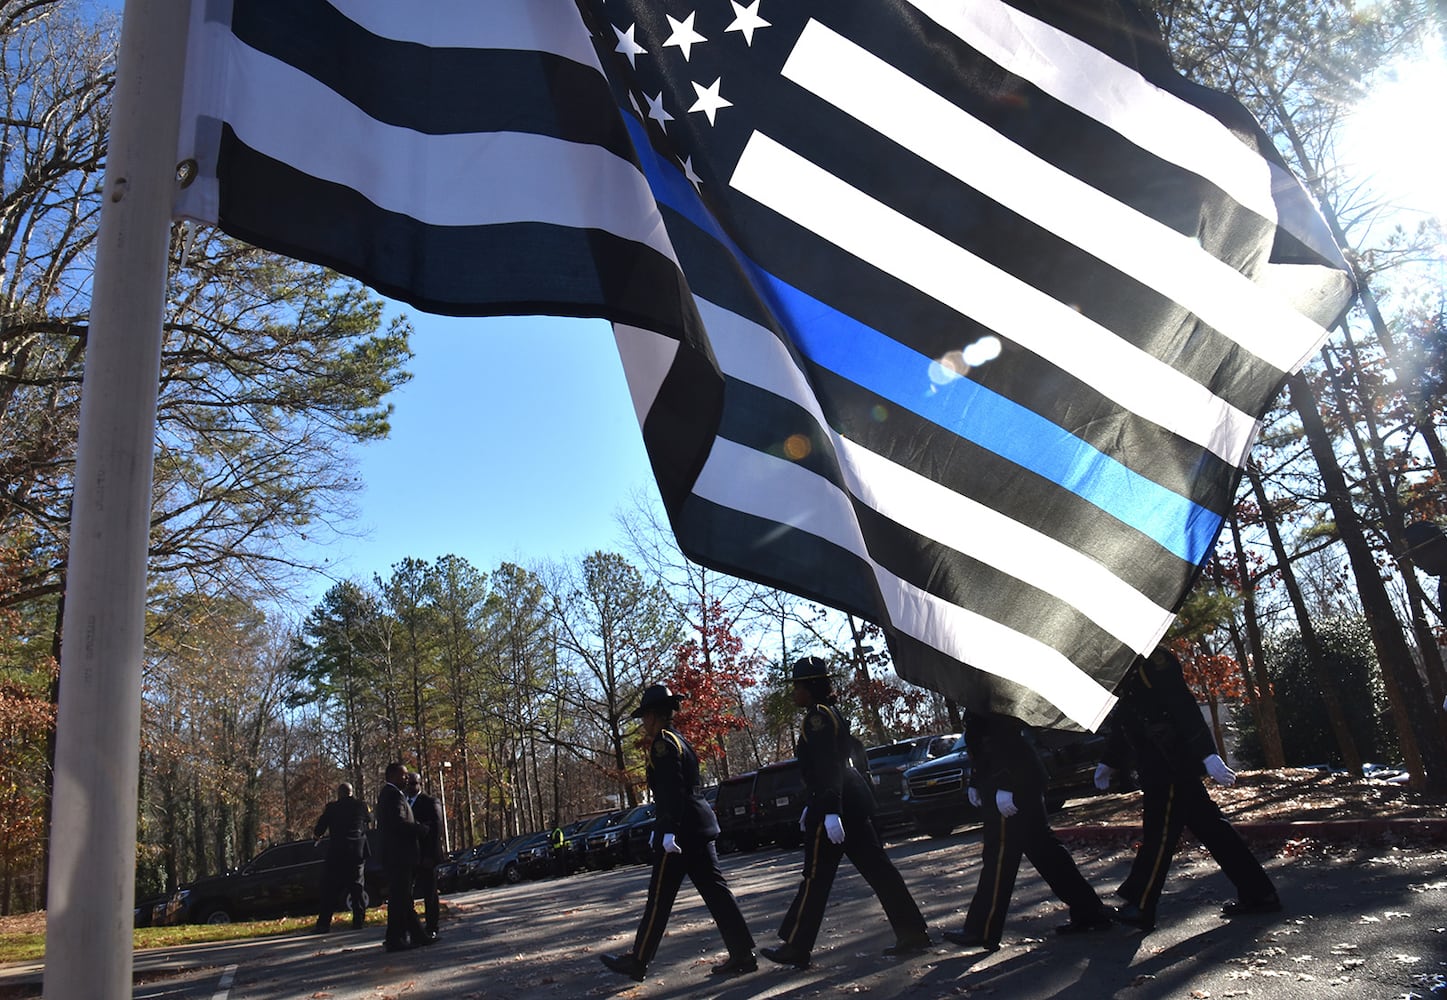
x=515 y=440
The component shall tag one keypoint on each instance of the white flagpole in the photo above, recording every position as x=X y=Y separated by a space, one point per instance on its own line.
x=93 y=815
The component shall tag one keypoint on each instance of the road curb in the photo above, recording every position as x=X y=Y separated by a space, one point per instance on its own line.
x=1432 y=829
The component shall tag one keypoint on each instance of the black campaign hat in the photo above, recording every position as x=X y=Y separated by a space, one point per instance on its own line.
x=811 y=668
x=657 y=696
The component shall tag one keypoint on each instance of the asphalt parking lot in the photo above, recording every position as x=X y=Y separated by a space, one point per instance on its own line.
x=1360 y=923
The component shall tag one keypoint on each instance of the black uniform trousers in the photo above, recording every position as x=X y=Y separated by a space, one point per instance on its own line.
x=699 y=861
x=821 y=861
x=1170 y=804
x=402 y=922
x=342 y=875
x=424 y=886
x=1004 y=841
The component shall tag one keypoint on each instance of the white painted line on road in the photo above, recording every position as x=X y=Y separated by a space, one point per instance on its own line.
x=223 y=988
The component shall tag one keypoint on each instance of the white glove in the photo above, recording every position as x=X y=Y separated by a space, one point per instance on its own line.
x=1103 y=774
x=1219 y=772
x=670 y=845
x=803 y=818
x=1005 y=802
x=973 y=794
x=834 y=828
x=1444 y=704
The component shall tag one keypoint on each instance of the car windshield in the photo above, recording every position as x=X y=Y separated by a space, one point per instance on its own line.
x=637 y=813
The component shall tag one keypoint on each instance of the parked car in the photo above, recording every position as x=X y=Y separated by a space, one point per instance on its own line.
x=608 y=846
x=935 y=790
x=575 y=837
x=733 y=805
x=470 y=865
x=778 y=802
x=640 y=837
x=505 y=865
x=160 y=910
x=887 y=764
x=535 y=857
x=282 y=880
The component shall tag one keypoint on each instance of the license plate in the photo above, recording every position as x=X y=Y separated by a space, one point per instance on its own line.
x=874 y=778
x=782 y=801
x=739 y=810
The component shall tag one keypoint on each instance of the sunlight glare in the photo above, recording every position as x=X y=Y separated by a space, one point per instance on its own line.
x=1396 y=138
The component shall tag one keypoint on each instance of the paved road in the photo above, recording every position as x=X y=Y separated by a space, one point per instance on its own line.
x=1359 y=924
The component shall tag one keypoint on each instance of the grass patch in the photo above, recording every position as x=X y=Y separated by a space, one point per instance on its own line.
x=31 y=947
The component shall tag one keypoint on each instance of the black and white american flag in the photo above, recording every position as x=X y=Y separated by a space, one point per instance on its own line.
x=958 y=316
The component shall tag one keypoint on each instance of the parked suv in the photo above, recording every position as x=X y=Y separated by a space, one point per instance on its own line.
x=935 y=791
x=887 y=764
x=575 y=838
x=507 y=864
x=285 y=879
x=608 y=846
x=733 y=805
x=778 y=802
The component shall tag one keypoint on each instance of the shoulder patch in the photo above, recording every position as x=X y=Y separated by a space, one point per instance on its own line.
x=666 y=745
x=817 y=721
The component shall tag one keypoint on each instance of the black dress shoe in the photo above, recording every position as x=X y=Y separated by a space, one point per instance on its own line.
x=318 y=929
x=787 y=954
x=1097 y=921
x=737 y=965
x=397 y=946
x=625 y=965
x=910 y=944
x=1242 y=907
x=1136 y=917
x=428 y=938
x=966 y=940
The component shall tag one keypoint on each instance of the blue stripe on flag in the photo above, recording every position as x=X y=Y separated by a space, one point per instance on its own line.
x=895 y=372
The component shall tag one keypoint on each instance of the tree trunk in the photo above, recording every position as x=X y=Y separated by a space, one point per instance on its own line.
x=1417 y=735
x=1325 y=682
x=1268 y=731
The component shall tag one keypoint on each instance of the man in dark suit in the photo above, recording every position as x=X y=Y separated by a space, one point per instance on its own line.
x=344 y=821
x=426 y=812
x=401 y=851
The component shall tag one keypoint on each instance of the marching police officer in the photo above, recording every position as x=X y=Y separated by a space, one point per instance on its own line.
x=1157 y=719
x=1008 y=787
x=684 y=832
x=837 y=821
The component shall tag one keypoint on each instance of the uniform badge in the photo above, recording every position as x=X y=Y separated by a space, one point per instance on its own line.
x=816 y=721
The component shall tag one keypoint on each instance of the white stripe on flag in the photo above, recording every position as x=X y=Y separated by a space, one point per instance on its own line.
x=750 y=353
x=1117 y=96
x=445 y=180
x=871 y=90
x=778 y=490
x=845 y=216
x=537 y=25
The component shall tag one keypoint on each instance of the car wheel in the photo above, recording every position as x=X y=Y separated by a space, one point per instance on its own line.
x=349 y=906
x=511 y=874
x=214 y=913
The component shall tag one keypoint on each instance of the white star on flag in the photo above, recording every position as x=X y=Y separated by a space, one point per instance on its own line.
x=746 y=19
x=683 y=34
x=709 y=100
x=627 y=45
x=656 y=111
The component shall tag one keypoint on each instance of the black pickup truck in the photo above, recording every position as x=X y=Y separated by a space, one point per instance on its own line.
x=934 y=792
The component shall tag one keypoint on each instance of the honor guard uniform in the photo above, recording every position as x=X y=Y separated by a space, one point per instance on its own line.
x=1007 y=785
x=684 y=832
x=837 y=821
x=1158 y=722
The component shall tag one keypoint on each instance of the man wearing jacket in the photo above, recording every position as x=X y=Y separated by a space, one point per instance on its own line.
x=344 y=823
x=1158 y=722
x=426 y=812
x=401 y=850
